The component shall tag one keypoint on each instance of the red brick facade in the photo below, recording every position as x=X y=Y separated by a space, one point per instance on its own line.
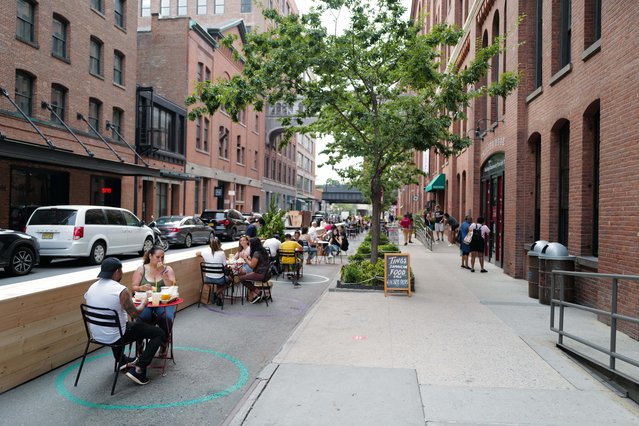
x=573 y=105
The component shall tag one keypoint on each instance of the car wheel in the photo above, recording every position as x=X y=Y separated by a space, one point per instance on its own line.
x=22 y=260
x=232 y=234
x=148 y=244
x=188 y=241
x=98 y=252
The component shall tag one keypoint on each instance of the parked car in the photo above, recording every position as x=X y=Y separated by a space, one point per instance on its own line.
x=251 y=216
x=93 y=232
x=19 y=252
x=184 y=230
x=227 y=223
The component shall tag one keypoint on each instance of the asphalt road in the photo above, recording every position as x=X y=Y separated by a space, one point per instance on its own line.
x=64 y=266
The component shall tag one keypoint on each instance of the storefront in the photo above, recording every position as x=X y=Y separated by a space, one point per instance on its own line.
x=492 y=205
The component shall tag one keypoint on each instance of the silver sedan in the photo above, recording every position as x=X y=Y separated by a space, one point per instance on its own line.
x=184 y=230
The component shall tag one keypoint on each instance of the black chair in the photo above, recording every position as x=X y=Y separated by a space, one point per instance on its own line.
x=213 y=268
x=292 y=270
x=265 y=285
x=103 y=317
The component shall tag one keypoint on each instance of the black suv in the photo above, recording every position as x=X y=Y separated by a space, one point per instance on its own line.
x=227 y=223
x=19 y=252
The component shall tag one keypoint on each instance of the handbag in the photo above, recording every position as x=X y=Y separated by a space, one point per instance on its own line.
x=469 y=237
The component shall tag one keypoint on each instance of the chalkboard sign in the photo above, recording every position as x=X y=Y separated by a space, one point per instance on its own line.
x=396 y=272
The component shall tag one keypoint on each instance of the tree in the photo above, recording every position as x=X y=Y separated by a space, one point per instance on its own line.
x=378 y=88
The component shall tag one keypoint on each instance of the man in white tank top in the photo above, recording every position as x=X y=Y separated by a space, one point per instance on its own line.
x=107 y=292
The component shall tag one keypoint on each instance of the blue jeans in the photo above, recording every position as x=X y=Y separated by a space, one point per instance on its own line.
x=312 y=252
x=332 y=249
x=162 y=316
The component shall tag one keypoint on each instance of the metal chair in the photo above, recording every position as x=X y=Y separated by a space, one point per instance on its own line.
x=297 y=266
x=102 y=317
x=213 y=268
x=265 y=285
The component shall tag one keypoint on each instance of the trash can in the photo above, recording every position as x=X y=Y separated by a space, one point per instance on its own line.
x=555 y=257
x=533 y=268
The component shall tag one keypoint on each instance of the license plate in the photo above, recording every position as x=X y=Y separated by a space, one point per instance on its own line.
x=47 y=235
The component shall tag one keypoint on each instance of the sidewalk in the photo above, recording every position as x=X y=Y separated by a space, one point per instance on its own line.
x=466 y=348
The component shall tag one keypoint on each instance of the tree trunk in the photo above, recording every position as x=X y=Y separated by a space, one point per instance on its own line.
x=376 y=200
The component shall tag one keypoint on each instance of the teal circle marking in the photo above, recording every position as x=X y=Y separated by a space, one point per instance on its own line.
x=241 y=381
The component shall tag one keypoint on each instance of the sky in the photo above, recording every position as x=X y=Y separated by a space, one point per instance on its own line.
x=326 y=172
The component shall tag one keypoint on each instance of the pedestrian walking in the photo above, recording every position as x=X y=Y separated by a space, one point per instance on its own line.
x=405 y=224
x=439 y=223
x=478 y=243
x=465 y=248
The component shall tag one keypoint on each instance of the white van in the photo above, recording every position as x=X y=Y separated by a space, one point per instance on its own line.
x=93 y=232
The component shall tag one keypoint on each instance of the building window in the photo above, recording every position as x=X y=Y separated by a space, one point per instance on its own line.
x=24 y=91
x=238 y=150
x=256 y=124
x=537 y=145
x=182 y=8
x=165 y=8
x=246 y=6
x=205 y=193
x=58 y=102
x=201 y=7
x=116 y=124
x=205 y=136
x=255 y=160
x=219 y=7
x=95 y=107
x=538 y=42
x=242 y=117
x=26 y=21
x=118 y=68
x=266 y=163
x=564 y=173
x=224 y=142
x=198 y=133
x=60 y=28
x=207 y=74
x=596 y=139
x=197 y=195
x=592 y=24
x=95 y=60
x=494 y=100
x=164 y=130
x=200 y=70
x=565 y=32
x=145 y=8
x=97 y=5
x=119 y=9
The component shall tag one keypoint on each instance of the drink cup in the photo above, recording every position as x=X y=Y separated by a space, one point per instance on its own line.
x=156 y=298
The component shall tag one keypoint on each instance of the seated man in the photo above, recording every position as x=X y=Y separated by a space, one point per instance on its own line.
x=288 y=256
x=273 y=245
x=109 y=293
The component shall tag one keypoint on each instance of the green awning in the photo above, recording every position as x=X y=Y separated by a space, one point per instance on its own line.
x=437 y=184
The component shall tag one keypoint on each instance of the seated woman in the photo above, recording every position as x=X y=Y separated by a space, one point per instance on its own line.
x=153 y=275
x=243 y=255
x=259 y=264
x=216 y=255
x=309 y=245
x=334 y=243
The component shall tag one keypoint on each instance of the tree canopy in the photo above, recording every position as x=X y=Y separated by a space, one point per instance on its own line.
x=378 y=88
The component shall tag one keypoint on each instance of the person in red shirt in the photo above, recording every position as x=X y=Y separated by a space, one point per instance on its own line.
x=405 y=223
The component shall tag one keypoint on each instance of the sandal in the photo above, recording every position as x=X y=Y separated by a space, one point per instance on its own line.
x=483 y=270
x=163 y=351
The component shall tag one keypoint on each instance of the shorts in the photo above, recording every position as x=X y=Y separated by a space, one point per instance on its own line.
x=439 y=227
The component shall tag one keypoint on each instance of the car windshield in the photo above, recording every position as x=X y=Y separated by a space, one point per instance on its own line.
x=53 y=217
x=168 y=219
x=213 y=215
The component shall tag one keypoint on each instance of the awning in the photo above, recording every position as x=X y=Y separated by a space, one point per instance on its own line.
x=437 y=184
x=35 y=153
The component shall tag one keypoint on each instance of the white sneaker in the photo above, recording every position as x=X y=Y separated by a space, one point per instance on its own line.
x=330 y=256
x=450 y=245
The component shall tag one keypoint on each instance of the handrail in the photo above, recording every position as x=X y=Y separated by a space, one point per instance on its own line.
x=425 y=235
x=632 y=383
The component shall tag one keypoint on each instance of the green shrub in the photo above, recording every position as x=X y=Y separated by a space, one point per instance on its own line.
x=358 y=257
x=388 y=248
x=351 y=273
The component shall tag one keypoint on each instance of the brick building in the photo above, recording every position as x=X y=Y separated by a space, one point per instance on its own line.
x=557 y=159
x=222 y=158
x=72 y=71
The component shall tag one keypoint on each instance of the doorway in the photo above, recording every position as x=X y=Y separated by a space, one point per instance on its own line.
x=492 y=202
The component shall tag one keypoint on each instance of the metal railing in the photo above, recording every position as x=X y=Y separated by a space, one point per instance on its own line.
x=610 y=369
x=425 y=235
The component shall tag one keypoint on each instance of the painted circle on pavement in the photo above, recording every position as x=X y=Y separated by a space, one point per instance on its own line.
x=299 y=306
x=303 y=281
x=241 y=381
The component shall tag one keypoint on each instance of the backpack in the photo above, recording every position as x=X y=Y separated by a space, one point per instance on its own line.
x=344 y=245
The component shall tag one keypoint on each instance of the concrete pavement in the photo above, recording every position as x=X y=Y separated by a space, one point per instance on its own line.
x=465 y=349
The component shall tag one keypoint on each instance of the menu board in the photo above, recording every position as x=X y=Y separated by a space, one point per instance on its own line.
x=396 y=272
x=393 y=234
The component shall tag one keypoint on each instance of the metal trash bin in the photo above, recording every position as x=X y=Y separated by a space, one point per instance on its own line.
x=555 y=257
x=533 y=268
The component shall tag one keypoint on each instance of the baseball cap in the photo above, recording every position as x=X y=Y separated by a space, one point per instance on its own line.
x=109 y=266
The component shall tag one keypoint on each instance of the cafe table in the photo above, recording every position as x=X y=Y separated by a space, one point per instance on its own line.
x=169 y=327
